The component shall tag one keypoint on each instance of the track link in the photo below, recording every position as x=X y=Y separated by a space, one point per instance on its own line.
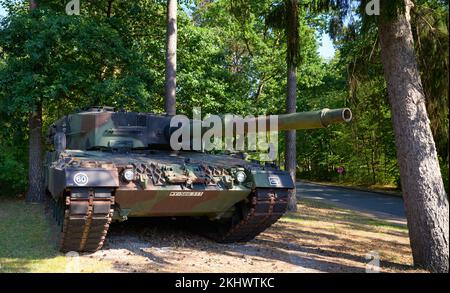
x=263 y=208
x=84 y=216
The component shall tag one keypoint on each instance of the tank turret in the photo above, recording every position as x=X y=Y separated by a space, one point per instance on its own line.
x=104 y=128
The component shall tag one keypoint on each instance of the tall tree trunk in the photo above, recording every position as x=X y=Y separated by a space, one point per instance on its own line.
x=426 y=203
x=35 y=174
x=290 y=159
x=171 y=57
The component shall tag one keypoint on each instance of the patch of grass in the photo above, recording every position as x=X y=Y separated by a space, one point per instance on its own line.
x=381 y=223
x=25 y=242
x=341 y=214
x=385 y=188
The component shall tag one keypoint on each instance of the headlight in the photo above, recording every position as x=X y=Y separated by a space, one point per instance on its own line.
x=128 y=174
x=240 y=176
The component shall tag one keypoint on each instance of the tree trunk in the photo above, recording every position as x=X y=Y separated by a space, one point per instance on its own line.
x=171 y=57
x=35 y=173
x=426 y=203
x=290 y=159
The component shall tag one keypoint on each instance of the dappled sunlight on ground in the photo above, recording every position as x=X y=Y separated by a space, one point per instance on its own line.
x=318 y=238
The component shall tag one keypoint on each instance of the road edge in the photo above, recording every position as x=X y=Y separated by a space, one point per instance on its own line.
x=388 y=193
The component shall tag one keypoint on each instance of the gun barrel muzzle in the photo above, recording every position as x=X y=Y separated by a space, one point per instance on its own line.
x=313 y=119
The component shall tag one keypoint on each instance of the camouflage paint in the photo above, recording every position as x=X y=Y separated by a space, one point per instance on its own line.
x=102 y=144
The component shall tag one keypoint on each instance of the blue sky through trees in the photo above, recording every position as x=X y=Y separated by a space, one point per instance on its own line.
x=326 y=49
x=2 y=11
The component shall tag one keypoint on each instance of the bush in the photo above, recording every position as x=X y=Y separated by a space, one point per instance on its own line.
x=13 y=172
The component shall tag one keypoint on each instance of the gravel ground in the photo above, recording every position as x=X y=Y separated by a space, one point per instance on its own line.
x=141 y=247
x=317 y=239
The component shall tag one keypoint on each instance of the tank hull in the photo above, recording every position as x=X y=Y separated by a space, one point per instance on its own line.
x=145 y=197
x=90 y=189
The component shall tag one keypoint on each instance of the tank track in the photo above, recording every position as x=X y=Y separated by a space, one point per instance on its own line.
x=83 y=216
x=263 y=208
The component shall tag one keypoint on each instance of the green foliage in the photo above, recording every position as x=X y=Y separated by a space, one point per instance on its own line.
x=57 y=59
x=231 y=59
x=13 y=153
x=429 y=24
x=13 y=172
x=368 y=152
x=365 y=149
x=430 y=30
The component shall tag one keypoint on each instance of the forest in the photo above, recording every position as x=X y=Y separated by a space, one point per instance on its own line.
x=231 y=59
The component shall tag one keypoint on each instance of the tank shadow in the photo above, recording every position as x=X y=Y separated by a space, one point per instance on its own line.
x=168 y=243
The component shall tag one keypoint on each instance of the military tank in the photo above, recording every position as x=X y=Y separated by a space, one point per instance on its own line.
x=109 y=165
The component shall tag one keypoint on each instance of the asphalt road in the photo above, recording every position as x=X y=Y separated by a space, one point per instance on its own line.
x=376 y=204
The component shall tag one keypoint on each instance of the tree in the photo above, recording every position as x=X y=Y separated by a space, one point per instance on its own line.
x=35 y=172
x=426 y=203
x=290 y=159
x=53 y=64
x=171 y=57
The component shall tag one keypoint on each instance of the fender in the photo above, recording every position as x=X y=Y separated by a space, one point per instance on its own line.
x=272 y=179
x=91 y=177
x=60 y=179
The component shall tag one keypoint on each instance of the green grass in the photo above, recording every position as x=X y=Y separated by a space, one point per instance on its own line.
x=25 y=241
x=386 y=188
x=342 y=215
x=24 y=236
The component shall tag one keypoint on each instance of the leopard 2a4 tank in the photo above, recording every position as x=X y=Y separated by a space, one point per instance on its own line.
x=112 y=165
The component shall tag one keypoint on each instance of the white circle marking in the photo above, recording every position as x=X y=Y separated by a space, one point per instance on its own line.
x=80 y=179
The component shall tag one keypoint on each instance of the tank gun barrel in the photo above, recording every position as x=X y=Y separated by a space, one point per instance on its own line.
x=296 y=121
x=314 y=119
